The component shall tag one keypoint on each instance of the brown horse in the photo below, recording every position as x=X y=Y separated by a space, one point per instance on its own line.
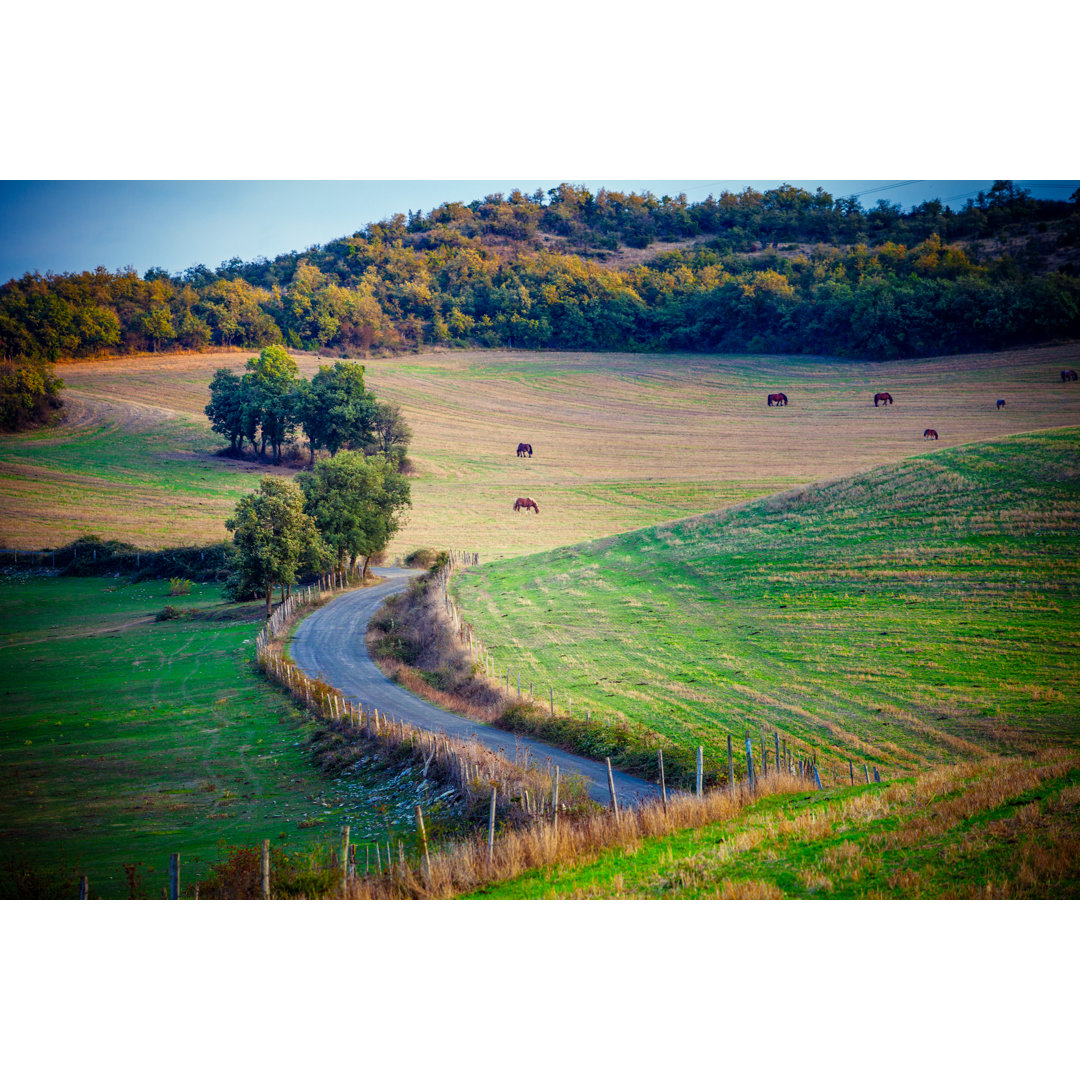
x=929 y=433
x=777 y=399
x=524 y=449
x=882 y=399
x=1068 y=375
x=1001 y=403
x=526 y=505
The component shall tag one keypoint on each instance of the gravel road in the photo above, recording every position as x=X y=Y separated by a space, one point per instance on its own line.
x=329 y=645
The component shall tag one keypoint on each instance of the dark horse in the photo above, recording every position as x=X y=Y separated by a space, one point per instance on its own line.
x=778 y=399
x=524 y=449
x=882 y=399
x=1068 y=375
x=526 y=505
x=929 y=433
x=1001 y=403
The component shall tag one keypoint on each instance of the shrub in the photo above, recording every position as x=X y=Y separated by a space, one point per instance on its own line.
x=168 y=612
x=179 y=586
x=421 y=558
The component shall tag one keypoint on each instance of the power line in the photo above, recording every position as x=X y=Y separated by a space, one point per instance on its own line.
x=886 y=187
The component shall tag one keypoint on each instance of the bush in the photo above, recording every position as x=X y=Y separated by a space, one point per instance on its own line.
x=421 y=558
x=179 y=586
x=90 y=556
x=168 y=612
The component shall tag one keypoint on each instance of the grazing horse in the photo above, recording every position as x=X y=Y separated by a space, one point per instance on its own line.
x=526 y=505
x=1068 y=375
x=929 y=433
x=1001 y=403
x=777 y=399
x=882 y=399
x=524 y=449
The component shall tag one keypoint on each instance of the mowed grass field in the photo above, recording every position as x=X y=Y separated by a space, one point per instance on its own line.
x=620 y=441
x=123 y=740
x=912 y=615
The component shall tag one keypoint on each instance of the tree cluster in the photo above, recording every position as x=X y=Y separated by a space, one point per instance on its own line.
x=347 y=508
x=268 y=403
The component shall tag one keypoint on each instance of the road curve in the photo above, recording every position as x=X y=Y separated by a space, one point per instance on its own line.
x=329 y=645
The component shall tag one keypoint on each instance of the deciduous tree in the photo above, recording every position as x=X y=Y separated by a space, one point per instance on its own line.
x=273 y=539
x=357 y=503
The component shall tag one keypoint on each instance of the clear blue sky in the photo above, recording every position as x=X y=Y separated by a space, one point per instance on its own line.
x=68 y=226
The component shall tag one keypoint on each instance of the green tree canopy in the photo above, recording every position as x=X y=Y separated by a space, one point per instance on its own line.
x=271 y=394
x=391 y=435
x=357 y=503
x=273 y=539
x=336 y=412
x=226 y=407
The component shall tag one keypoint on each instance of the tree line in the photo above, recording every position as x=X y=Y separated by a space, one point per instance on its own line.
x=783 y=270
x=268 y=404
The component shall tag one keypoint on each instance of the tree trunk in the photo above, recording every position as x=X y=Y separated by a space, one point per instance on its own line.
x=367 y=559
x=269 y=598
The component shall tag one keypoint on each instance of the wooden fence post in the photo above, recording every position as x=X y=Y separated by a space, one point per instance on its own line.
x=730 y=768
x=700 y=771
x=817 y=778
x=551 y=703
x=84 y=888
x=611 y=788
x=867 y=771
x=174 y=877
x=877 y=776
x=423 y=844
x=555 y=798
x=851 y=771
x=764 y=760
x=344 y=859
x=266 y=869
x=663 y=786
x=491 y=826
x=749 y=765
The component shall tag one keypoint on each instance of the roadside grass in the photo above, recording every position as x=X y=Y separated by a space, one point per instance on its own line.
x=123 y=740
x=622 y=441
x=999 y=828
x=909 y=616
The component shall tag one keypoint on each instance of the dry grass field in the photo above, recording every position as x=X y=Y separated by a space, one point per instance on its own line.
x=621 y=441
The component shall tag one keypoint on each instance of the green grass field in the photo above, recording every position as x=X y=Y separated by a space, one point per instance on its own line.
x=921 y=610
x=123 y=740
x=998 y=828
x=915 y=614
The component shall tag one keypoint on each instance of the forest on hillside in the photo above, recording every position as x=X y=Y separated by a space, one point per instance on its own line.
x=780 y=271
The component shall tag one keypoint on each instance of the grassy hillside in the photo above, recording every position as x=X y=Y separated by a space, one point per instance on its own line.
x=999 y=828
x=621 y=441
x=911 y=615
x=123 y=739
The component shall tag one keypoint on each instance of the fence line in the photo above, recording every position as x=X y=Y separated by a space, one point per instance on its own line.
x=468 y=766
x=804 y=766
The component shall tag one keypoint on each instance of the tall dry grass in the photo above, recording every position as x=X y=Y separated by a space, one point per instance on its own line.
x=463 y=866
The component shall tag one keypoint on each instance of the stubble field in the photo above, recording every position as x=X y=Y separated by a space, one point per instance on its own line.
x=620 y=441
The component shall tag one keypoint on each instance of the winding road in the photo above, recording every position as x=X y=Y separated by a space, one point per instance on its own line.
x=329 y=645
